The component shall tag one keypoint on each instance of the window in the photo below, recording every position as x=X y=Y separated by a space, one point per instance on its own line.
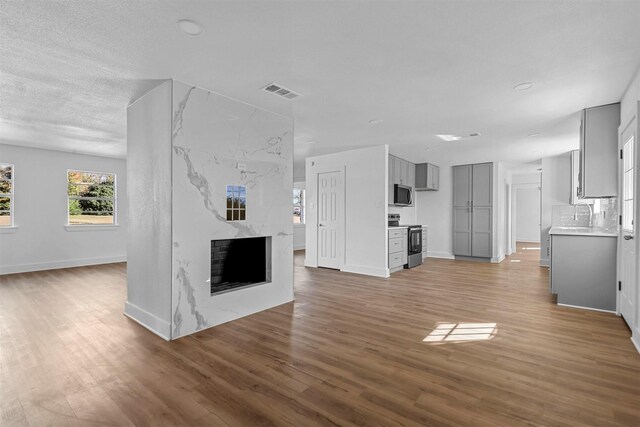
x=627 y=185
x=236 y=203
x=6 y=195
x=298 y=206
x=91 y=198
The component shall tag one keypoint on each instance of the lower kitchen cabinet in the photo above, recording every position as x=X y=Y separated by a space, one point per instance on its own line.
x=398 y=248
x=583 y=271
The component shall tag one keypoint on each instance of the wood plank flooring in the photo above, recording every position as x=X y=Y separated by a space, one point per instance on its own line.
x=349 y=351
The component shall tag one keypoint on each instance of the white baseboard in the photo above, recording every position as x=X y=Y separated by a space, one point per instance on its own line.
x=497 y=260
x=544 y=262
x=635 y=339
x=369 y=271
x=444 y=255
x=529 y=241
x=148 y=320
x=25 y=268
x=587 y=308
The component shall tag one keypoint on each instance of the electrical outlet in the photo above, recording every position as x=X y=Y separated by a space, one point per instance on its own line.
x=242 y=166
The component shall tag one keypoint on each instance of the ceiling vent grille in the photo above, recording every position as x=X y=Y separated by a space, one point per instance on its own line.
x=276 y=89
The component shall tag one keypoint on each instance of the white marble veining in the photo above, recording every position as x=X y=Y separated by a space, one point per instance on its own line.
x=217 y=142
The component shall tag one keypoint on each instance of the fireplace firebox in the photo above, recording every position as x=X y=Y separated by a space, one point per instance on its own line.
x=238 y=263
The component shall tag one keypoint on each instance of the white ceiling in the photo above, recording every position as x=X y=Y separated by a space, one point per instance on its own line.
x=69 y=69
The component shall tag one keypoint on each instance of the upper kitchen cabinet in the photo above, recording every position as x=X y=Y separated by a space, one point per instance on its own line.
x=401 y=172
x=427 y=177
x=599 y=151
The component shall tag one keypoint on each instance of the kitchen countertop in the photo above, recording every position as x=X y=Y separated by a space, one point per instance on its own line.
x=397 y=227
x=583 y=231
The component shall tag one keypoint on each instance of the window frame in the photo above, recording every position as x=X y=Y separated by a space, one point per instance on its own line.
x=11 y=196
x=114 y=223
x=301 y=204
x=236 y=192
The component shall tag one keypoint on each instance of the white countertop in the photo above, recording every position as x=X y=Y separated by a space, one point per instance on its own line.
x=583 y=231
x=396 y=227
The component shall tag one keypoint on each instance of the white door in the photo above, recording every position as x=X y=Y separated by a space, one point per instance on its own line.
x=330 y=196
x=627 y=230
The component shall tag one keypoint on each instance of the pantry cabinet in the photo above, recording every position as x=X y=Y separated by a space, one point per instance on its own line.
x=473 y=210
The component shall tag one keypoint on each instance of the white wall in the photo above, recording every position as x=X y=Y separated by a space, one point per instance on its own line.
x=40 y=240
x=299 y=236
x=365 y=237
x=556 y=190
x=149 y=194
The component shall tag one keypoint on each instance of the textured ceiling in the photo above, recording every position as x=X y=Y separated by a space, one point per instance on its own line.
x=69 y=69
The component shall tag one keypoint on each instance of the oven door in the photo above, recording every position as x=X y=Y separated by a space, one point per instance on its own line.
x=415 y=241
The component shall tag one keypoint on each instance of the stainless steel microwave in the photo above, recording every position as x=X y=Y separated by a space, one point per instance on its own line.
x=402 y=195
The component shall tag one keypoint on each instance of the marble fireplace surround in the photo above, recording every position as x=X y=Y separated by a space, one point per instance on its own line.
x=185 y=146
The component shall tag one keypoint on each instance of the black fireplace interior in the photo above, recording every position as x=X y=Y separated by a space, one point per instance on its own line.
x=239 y=262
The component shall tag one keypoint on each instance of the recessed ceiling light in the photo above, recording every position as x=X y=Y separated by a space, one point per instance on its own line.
x=532 y=135
x=523 y=86
x=189 y=27
x=375 y=121
x=449 y=137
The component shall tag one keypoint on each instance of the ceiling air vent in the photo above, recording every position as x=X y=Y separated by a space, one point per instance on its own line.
x=281 y=91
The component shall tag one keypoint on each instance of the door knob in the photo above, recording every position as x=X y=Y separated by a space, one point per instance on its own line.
x=320 y=225
x=628 y=237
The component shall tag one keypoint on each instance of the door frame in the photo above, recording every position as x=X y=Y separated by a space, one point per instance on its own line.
x=624 y=125
x=341 y=216
x=514 y=209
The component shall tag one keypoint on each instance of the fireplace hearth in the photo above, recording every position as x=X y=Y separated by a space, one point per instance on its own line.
x=239 y=263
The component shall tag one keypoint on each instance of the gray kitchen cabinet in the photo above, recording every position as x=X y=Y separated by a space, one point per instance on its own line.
x=425 y=240
x=427 y=177
x=473 y=210
x=599 y=151
x=583 y=271
x=392 y=165
x=398 y=249
x=400 y=172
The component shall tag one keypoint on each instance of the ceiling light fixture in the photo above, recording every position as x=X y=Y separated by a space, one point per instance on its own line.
x=375 y=121
x=449 y=138
x=523 y=86
x=189 y=27
x=533 y=135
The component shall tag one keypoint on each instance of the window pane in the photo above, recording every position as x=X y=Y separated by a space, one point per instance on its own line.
x=5 y=211
x=229 y=215
x=5 y=187
x=6 y=171
x=83 y=183
x=236 y=214
x=242 y=215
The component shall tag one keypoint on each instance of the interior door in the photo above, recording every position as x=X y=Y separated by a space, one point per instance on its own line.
x=462 y=210
x=330 y=210
x=627 y=230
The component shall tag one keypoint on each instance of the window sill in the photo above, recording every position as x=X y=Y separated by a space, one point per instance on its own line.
x=91 y=227
x=8 y=230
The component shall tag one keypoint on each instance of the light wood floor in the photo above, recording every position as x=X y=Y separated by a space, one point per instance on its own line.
x=349 y=351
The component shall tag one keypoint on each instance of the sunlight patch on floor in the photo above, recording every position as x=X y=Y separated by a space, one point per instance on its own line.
x=462 y=332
